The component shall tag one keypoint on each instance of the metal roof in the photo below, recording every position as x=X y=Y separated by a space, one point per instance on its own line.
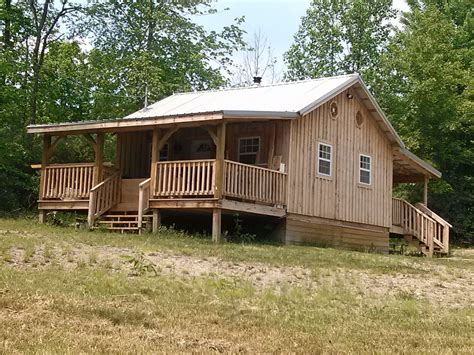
x=280 y=100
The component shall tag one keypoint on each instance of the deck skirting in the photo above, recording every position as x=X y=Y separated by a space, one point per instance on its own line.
x=332 y=233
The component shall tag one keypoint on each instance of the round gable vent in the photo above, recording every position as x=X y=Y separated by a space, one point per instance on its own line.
x=333 y=110
x=359 y=119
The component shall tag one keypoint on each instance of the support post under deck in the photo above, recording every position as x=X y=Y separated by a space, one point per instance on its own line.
x=216 y=225
x=156 y=223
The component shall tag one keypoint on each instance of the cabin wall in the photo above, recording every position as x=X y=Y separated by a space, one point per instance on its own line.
x=340 y=197
x=191 y=144
x=134 y=148
x=135 y=154
x=274 y=140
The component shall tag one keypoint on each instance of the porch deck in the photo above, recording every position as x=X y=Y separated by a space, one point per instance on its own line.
x=174 y=184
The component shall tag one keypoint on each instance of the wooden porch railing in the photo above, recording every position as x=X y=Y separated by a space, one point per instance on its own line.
x=143 y=200
x=67 y=181
x=442 y=227
x=196 y=178
x=254 y=183
x=184 y=178
x=419 y=224
x=103 y=196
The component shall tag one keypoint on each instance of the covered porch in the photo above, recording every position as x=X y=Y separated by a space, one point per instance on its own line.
x=417 y=221
x=229 y=166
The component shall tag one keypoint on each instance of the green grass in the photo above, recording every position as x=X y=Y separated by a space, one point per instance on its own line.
x=95 y=307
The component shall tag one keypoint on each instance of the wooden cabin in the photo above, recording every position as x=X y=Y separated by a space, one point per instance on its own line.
x=317 y=155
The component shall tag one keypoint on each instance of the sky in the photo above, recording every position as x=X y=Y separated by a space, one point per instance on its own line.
x=278 y=20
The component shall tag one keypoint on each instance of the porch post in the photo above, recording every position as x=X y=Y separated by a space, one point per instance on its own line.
x=99 y=159
x=156 y=223
x=118 y=152
x=155 y=154
x=220 y=155
x=425 y=190
x=216 y=225
x=44 y=162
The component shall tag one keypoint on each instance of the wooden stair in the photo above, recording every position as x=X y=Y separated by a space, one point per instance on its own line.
x=123 y=222
x=421 y=226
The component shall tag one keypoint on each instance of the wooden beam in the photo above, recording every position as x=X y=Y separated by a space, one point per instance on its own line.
x=220 y=156
x=44 y=162
x=42 y=216
x=90 y=139
x=425 y=190
x=216 y=225
x=185 y=203
x=54 y=145
x=271 y=149
x=155 y=155
x=212 y=134
x=156 y=220
x=252 y=208
x=123 y=125
x=118 y=153
x=165 y=137
x=99 y=159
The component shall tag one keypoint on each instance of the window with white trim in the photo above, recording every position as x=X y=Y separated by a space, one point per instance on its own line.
x=324 y=159
x=248 y=149
x=365 y=169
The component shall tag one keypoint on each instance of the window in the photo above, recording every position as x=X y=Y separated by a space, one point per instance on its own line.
x=365 y=167
x=164 y=153
x=324 y=159
x=248 y=149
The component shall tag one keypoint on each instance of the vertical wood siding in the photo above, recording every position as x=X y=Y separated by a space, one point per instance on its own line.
x=265 y=130
x=340 y=197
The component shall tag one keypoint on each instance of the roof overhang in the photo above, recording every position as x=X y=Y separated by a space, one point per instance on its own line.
x=407 y=167
x=120 y=125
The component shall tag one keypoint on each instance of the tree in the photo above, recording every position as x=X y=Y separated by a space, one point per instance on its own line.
x=46 y=75
x=428 y=95
x=340 y=36
x=155 y=43
x=45 y=19
x=257 y=61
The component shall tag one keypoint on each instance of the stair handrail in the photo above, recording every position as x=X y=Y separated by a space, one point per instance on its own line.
x=102 y=197
x=143 y=200
x=445 y=226
x=423 y=229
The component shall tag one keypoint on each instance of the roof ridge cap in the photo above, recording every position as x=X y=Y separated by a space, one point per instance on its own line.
x=281 y=83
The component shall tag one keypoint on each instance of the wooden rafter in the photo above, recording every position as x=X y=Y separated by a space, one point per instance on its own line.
x=165 y=137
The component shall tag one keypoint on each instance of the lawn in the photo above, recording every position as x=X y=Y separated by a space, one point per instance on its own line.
x=63 y=290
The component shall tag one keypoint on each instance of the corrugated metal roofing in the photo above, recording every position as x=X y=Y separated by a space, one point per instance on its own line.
x=284 y=98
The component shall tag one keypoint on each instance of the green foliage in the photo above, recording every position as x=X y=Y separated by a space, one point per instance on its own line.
x=92 y=62
x=428 y=95
x=338 y=37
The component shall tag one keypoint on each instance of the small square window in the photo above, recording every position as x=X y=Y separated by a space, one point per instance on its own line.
x=324 y=159
x=248 y=149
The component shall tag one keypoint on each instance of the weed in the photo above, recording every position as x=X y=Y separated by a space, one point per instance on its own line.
x=28 y=254
x=141 y=265
x=93 y=258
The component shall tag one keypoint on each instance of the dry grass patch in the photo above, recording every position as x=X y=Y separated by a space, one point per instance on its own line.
x=97 y=292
